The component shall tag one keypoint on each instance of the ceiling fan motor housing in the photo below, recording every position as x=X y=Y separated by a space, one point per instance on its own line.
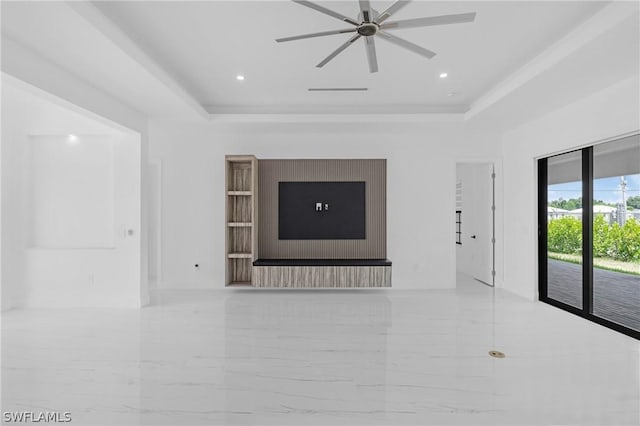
x=368 y=29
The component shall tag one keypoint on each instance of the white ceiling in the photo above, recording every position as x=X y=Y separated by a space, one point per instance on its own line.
x=54 y=31
x=157 y=55
x=206 y=44
x=34 y=114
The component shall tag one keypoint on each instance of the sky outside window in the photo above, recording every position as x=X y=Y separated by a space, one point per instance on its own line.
x=605 y=189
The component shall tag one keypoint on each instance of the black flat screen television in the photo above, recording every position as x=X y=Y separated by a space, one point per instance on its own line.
x=321 y=211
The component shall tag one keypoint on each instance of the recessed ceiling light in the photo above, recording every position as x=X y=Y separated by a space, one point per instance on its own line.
x=443 y=75
x=239 y=77
x=72 y=138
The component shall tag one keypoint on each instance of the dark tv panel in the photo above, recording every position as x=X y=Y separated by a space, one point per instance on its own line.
x=321 y=211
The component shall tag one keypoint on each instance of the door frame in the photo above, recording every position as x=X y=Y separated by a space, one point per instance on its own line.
x=587 y=241
x=492 y=163
x=154 y=166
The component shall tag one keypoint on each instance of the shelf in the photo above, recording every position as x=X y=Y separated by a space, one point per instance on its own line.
x=239 y=284
x=240 y=158
x=241 y=195
x=239 y=255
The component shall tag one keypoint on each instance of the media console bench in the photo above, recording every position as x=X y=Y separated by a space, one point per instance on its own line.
x=322 y=273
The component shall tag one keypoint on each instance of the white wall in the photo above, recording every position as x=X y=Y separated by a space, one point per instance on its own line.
x=61 y=276
x=70 y=191
x=608 y=113
x=154 y=224
x=5 y=299
x=420 y=188
x=24 y=67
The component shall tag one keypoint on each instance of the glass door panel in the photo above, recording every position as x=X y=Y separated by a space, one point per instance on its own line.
x=564 y=228
x=616 y=231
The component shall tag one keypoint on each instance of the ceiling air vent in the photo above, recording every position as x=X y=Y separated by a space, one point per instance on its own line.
x=338 y=89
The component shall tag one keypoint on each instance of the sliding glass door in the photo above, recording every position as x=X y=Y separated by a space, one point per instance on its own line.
x=589 y=229
x=564 y=228
x=616 y=232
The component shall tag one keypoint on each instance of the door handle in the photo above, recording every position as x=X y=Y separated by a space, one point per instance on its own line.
x=473 y=236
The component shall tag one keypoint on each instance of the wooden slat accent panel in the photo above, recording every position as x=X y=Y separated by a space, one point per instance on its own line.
x=239 y=240
x=239 y=209
x=322 y=276
x=255 y=215
x=239 y=176
x=241 y=270
x=373 y=172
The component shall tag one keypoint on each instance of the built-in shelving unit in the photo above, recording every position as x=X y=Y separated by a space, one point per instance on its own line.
x=241 y=218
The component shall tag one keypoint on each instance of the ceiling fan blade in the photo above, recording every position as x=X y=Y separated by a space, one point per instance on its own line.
x=371 y=54
x=323 y=33
x=391 y=10
x=338 y=51
x=407 y=44
x=430 y=21
x=365 y=9
x=326 y=11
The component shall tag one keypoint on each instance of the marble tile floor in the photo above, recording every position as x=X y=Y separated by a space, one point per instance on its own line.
x=372 y=357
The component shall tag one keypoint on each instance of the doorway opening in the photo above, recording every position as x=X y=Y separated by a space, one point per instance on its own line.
x=475 y=221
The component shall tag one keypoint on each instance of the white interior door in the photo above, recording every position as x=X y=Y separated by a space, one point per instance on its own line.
x=481 y=223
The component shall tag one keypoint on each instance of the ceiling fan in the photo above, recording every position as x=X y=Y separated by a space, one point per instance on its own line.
x=370 y=23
